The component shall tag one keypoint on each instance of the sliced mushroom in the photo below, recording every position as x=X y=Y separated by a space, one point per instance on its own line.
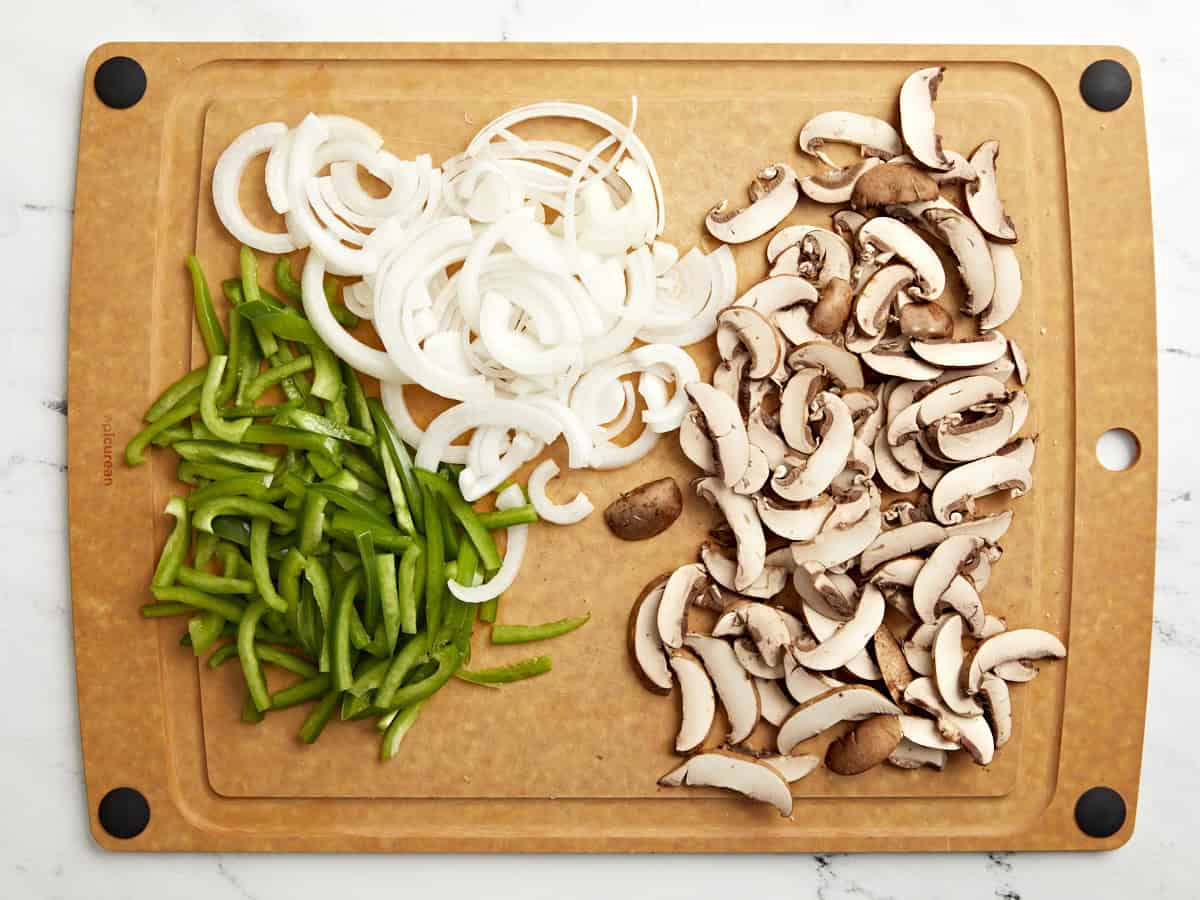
x=890 y=184
x=758 y=336
x=699 y=704
x=970 y=248
x=778 y=292
x=815 y=253
x=955 y=494
x=965 y=353
x=850 y=637
x=645 y=641
x=892 y=665
x=793 y=324
x=728 y=375
x=696 y=444
x=742 y=517
x=802 y=684
x=865 y=746
x=796 y=404
x=925 y=321
x=793 y=768
x=960 y=171
x=1007 y=272
x=827 y=595
x=908 y=755
x=762 y=623
x=947 y=668
x=1018 y=359
x=798 y=480
x=683 y=585
x=829 y=316
x=972 y=733
x=747 y=654
x=823 y=628
x=891 y=357
x=1002 y=370
x=846 y=223
x=736 y=772
x=868 y=426
x=802 y=522
x=957 y=396
x=837 y=185
x=1019 y=404
x=885 y=235
x=873 y=137
x=761 y=432
x=958 y=594
x=899 y=542
x=983 y=197
x=1017 y=671
x=840 y=364
x=997 y=704
x=919 y=659
x=875 y=300
x=775 y=703
x=963 y=441
x=894 y=475
x=833 y=547
x=756 y=474
x=993 y=625
x=1019 y=644
x=849 y=509
x=773 y=194
x=925 y=733
x=723 y=422
x=723 y=570
x=1022 y=450
x=733 y=684
x=850 y=703
x=990 y=528
x=917 y=121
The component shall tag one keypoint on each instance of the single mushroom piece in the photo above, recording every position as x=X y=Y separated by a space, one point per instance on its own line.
x=878 y=295
x=829 y=596
x=990 y=528
x=798 y=480
x=832 y=547
x=801 y=522
x=1016 y=672
x=680 y=589
x=747 y=654
x=645 y=641
x=884 y=235
x=900 y=542
x=646 y=511
x=849 y=703
x=873 y=137
x=947 y=668
x=961 y=354
x=802 y=684
x=997 y=706
x=725 y=427
x=850 y=637
x=1019 y=644
x=891 y=184
x=983 y=197
x=960 y=171
x=698 y=703
x=775 y=703
x=865 y=746
x=734 y=685
x=829 y=316
x=757 y=472
x=778 y=292
x=762 y=432
x=970 y=248
x=925 y=322
x=793 y=768
x=796 y=404
x=730 y=372
x=955 y=494
x=841 y=365
x=957 y=396
x=736 y=772
x=773 y=195
x=762 y=623
x=917 y=121
x=891 y=357
x=960 y=440
x=909 y=755
x=758 y=336
x=723 y=571
x=1023 y=450
x=696 y=444
x=892 y=665
x=972 y=733
x=740 y=513
x=1001 y=369
x=1018 y=359
x=837 y=185
x=1007 y=273
x=846 y=223
x=939 y=583
x=924 y=732
x=894 y=475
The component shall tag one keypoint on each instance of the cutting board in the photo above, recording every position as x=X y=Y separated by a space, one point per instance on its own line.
x=569 y=762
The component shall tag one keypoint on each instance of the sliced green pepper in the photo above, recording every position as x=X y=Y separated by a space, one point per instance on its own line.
x=351 y=503
x=170 y=398
x=285 y=660
x=175 y=549
x=390 y=442
x=256 y=684
x=435 y=565
x=166 y=610
x=407 y=589
x=488 y=610
x=526 y=668
x=348 y=525
x=366 y=551
x=389 y=745
x=224 y=429
x=448 y=660
x=251 y=294
x=204 y=630
x=339 y=642
x=389 y=599
x=307 y=421
x=363 y=471
x=410 y=656
x=256 y=485
x=245 y=506
x=275 y=375
x=206 y=314
x=301 y=692
x=136 y=448
x=507 y=518
x=318 y=718
x=175 y=593
x=318 y=578
x=214 y=584
x=521 y=634
x=222 y=655
x=260 y=531
x=216 y=452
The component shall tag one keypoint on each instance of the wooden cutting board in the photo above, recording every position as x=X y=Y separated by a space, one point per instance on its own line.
x=569 y=762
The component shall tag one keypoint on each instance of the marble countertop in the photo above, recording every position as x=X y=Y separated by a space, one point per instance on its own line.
x=45 y=850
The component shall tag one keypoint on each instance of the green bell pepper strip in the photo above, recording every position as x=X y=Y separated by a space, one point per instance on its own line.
x=307 y=421
x=256 y=684
x=382 y=723
x=266 y=411
x=204 y=630
x=340 y=665
x=223 y=429
x=222 y=655
x=343 y=315
x=175 y=593
x=521 y=634
x=348 y=525
x=327 y=376
x=284 y=323
x=200 y=431
x=488 y=610
x=450 y=530
x=526 y=668
x=256 y=485
x=318 y=717
x=395 y=487
x=172 y=435
x=351 y=503
x=193 y=473
x=233 y=564
x=459 y=613
x=244 y=506
x=358 y=633
x=285 y=660
x=170 y=398
x=324 y=465
x=241 y=344
x=250 y=713
x=485 y=544
x=366 y=551
x=291 y=437
x=361 y=469
x=355 y=708
x=337 y=412
x=389 y=744
x=435 y=565
x=206 y=546
x=369 y=676
x=214 y=584
x=347 y=562
x=390 y=443
x=407 y=589
x=356 y=400
x=389 y=599
x=288 y=285
x=301 y=692
x=507 y=518
x=312 y=522
x=448 y=660
x=251 y=294
x=411 y=654
x=175 y=549
x=216 y=452
x=166 y=610
x=260 y=531
x=245 y=362
x=318 y=579
x=135 y=450
x=206 y=313
x=277 y=374
x=295 y=386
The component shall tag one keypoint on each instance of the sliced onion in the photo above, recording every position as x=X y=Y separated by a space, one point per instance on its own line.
x=558 y=513
x=473 y=414
x=683 y=372
x=227 y=180
x=396 y=404
x=486 y=447
x=276 y=175
x=614 y=456
x=514 y=554
x=473 y=484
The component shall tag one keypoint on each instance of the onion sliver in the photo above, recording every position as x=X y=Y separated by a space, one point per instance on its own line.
x=514 y=554
x=227 y=180
x=558 y=513
x=498 y=411
x=396 y=404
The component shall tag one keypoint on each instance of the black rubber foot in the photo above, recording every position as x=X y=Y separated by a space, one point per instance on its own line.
x=124 y=813
x=120 y=82
x=1105 y=85
x=1100 y=812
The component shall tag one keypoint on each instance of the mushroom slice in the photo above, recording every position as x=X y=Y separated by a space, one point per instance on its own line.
x=877 y=296
x=833 y=547
x=960 y=171
x=837 y=185
x=1018 y=359
x=793 y=325
x=849 y=703
x=680 y=589
x=775 y=703
x=970 y=248
x=891 y=357
x=924 y=732
x=736 y=772
x=733 y=684
x=945 y=564
x=747 y=654
x=760 y=431
x=909 y=755
x=804 y=480
x=841 y=365
x=778 y=292
x=758 y=335
x=802 y=684
x=818 y=254
x=867 y=425
x=850 y=637
x=993 y=625
x=957 y=396
x=873 y=137
x=846 y=223
x=756 y=474
x=823 y=593
x=848 y=510
x=892 y=664
x=894 y=475
x=997 y=704
x=990 y=528
x=723 y=421
x=925 y=321
x=695 y=443
x=965 y=441
x=832 y=311
x=1019 y=404
x=796 y=523
x=727 y=376
x=742 y=517
x=1019 y=644
x=955 y=494
x=796 y=404
x=891 y=184
x=773 y=195
x=645 y=641
x=723 y=570
x=917 y=122
x=963 y=353
x=865 y=746
x=919 y=659
x=972 y=733
x=1007 y=272
x=676 y=776
x=1017 y=671
x=1022 y=450
x=899 y=542
x=762 y=623
x=897 y=573
x=699 y=704
x=1002 y=370
x=947 y=668
x=983 y=197
x=793 y=768
x=823 y=628
x=885 y=235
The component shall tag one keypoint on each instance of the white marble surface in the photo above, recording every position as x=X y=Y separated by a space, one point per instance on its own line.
x=45 y=850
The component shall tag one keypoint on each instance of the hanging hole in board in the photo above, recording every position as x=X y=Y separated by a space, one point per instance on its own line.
x=1118 y=449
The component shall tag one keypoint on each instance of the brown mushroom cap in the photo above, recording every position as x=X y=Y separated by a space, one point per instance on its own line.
x=925 y=321
x=869 y=744
x=890 y=184
x=833 y=309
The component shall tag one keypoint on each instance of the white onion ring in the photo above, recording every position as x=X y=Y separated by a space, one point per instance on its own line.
x=559 y=513
x=498 y=411
x=227 y=180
